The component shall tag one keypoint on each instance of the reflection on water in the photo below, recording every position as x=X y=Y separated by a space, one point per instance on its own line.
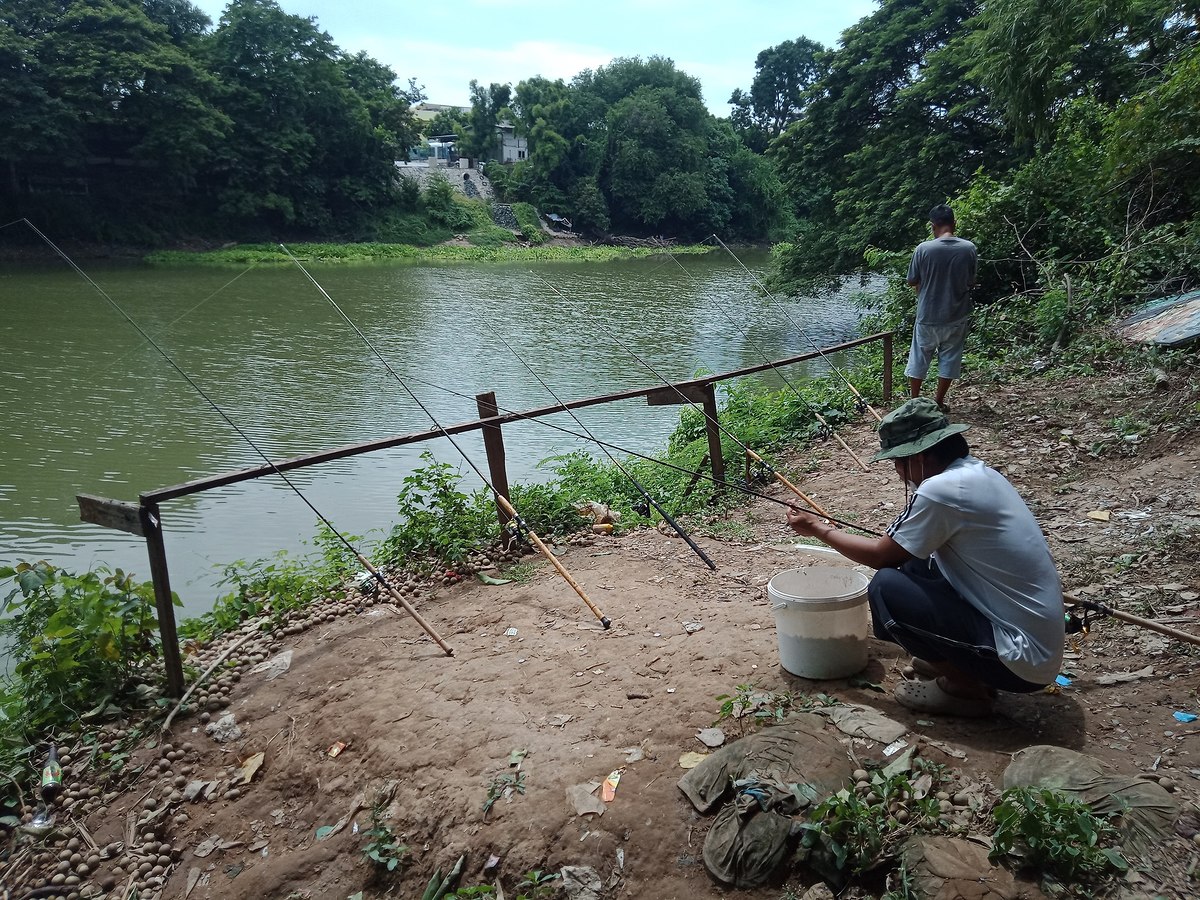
x=90 y=407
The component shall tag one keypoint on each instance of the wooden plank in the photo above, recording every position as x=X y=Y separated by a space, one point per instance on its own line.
x=714 y=434
x=163 y=601
x=693 y=392
x=110 y=514
x=493 y=446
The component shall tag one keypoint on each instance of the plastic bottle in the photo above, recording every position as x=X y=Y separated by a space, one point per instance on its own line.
x=51 y=776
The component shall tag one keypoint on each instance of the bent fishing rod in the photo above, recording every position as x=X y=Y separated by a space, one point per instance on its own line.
x=696 y=406
x=778 y=371
x=375 y=573
x=762 y=287
x=503 y=502
x=646 y=495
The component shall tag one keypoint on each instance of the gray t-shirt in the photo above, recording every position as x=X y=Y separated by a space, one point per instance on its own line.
x=944 y=269
x=989 y=546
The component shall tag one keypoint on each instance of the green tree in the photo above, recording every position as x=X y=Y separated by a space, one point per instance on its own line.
x=488 y=105
x=315 y=132
x=1036 y=55
x=893 y=127
x=782 y=76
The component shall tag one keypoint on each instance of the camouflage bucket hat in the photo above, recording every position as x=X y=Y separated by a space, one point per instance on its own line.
x=915 y=426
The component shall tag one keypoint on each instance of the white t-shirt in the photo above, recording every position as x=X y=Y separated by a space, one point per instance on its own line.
x=991 y=550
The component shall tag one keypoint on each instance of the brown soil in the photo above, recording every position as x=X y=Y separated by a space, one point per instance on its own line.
x=578 y=700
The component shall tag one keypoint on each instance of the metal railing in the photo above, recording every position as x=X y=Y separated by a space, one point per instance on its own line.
x=145 y=519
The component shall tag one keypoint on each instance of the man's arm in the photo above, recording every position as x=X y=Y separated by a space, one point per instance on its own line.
x=878 y=553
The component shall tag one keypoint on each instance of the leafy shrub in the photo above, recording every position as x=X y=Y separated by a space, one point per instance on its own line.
x=1050 y=832
x=438 y=521
x=531 y=226
x=80 y=644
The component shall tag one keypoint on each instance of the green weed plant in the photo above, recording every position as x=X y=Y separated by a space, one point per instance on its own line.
x=383 y=847
x=1062 y=837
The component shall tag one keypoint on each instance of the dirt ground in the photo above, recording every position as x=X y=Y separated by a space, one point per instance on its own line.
x=533 y=671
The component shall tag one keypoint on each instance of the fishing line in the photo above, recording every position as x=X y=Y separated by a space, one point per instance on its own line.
x=637 y=484
x=796 y=325
x=713 y=419
x=536 y=420
x=501 y=500
x=829 y=429
x=241 y=433
x=169 y=325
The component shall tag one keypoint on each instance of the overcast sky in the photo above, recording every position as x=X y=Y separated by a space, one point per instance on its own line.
x=443 y=45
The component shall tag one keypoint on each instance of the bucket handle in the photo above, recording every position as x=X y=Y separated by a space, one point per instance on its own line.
x=778 y=606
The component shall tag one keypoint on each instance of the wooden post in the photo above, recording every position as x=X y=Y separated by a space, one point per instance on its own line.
x=714 y=433
x=493 y=446
x=152 y=528
x=887 y=369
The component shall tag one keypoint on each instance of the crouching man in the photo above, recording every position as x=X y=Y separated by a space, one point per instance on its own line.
x=965 y=580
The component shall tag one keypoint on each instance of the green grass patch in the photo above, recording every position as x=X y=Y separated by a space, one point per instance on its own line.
x=248 y=254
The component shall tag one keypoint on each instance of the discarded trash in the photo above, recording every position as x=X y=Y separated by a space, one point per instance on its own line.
x=1062 y=681
x=510 y=632
x=691 y=759
x=608 y=791
x=225 y=729
x=605 y=528
x=514 y=758
x=633 y=754
x=1185 y=717
x=693 y=627
x=894 y=747
x=337 y=748
x=1119 y=677
x=1100 y=515
x=711 y=737
x=490 y=579
x=600 y=514
x=275 y=666
x=584 y=800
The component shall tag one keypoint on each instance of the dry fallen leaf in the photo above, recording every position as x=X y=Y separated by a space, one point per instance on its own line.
x=249 y=768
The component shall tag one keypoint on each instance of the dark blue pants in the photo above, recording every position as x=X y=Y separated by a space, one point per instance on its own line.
x=915 y=606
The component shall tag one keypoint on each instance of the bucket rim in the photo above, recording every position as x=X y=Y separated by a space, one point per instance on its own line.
x=853 y=594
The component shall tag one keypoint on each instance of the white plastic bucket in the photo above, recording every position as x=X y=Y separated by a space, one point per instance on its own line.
x=821 y=620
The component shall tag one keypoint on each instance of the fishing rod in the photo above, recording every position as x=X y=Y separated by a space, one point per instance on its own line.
x=811 y=406
x=732 y=485
x=796 y=325
x=646 y=496
x=713 y=419
x=501 y=500
x=396 y=595
x=1104 y=610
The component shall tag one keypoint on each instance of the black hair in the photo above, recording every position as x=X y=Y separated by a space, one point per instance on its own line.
x=941 y=215
x=947 y=450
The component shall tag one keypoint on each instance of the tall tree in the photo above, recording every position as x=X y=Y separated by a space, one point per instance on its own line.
x=892 y=128
x=782 y=76
x=307 y=148
x=1036 y=55
x=488 y=104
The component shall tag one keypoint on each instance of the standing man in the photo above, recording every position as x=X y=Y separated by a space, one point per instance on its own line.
x=943 y=272
x=965 y=580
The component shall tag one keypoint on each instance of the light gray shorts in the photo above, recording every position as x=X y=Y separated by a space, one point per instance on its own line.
x=944 y=340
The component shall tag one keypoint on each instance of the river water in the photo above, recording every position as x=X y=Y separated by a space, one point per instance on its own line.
x=90 y=406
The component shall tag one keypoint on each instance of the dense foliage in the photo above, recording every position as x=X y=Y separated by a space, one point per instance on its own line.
x=1065 y=134
x=136 y=119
